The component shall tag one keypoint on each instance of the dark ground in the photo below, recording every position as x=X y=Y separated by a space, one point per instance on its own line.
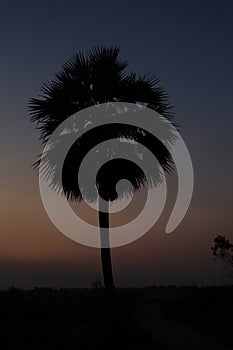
x=147 y=318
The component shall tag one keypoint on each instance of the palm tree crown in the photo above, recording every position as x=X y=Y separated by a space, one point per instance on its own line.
x=98 y=77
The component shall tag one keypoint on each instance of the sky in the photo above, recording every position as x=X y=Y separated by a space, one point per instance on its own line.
x=188 y=44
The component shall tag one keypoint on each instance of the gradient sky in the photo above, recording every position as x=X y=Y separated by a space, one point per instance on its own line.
x=189 y=45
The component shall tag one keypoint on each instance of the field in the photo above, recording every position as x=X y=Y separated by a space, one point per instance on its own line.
x=152 y=318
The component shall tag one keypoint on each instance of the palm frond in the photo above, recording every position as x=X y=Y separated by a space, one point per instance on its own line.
x=88 y=79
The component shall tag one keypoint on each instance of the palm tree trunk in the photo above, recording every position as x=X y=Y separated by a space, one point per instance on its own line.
x=106 y=253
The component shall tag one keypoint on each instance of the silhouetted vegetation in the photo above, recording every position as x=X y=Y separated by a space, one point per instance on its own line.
x=88 y=79
x=223 y=250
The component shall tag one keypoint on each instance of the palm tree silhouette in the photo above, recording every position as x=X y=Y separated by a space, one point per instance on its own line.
x=90 y=79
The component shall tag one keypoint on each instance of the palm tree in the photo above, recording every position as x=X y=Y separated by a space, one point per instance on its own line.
x=89 y=79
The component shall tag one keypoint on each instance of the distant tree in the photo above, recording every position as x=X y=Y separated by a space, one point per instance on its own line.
x=223 y=249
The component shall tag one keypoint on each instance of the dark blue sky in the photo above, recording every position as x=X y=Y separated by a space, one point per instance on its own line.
x=187 y=43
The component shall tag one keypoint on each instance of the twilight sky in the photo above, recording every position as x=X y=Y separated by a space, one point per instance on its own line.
x=189 y=45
